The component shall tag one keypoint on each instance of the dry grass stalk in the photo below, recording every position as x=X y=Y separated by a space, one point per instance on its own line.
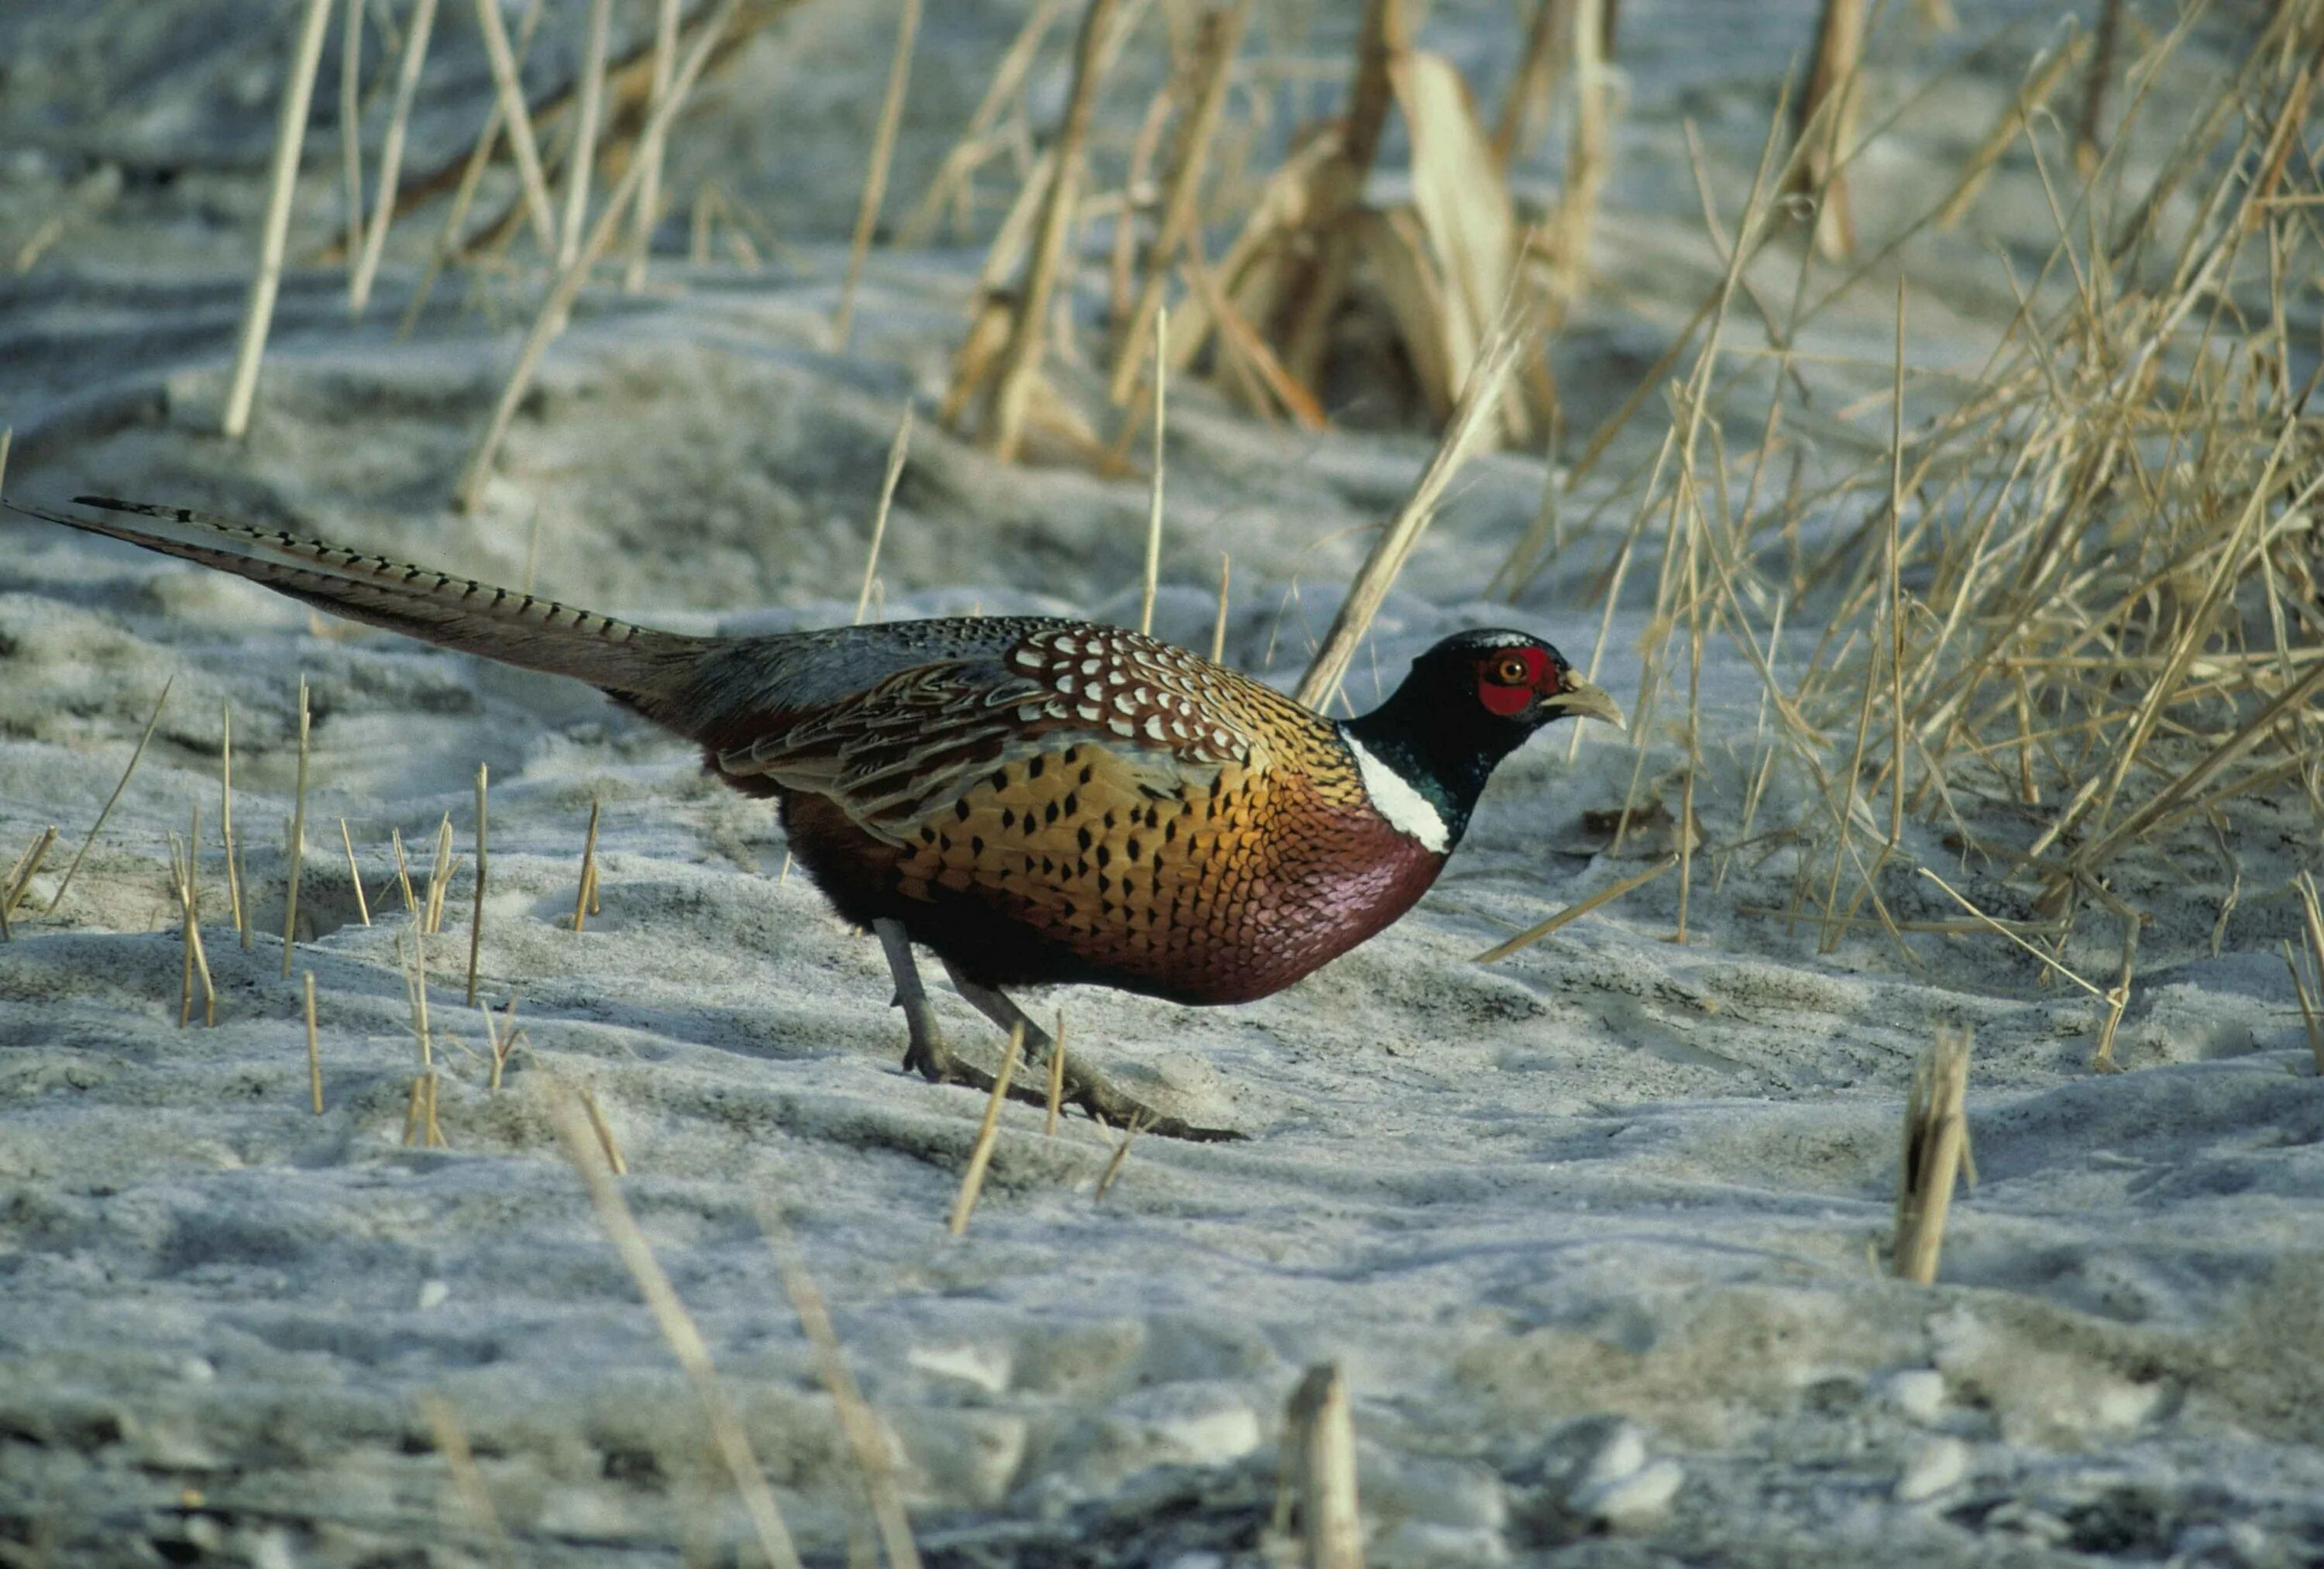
x=440 y=881
x=402 y=871
x=585 y=898
x=680 y=1333
x=226 y=840
x=1827 y=125
x=106 y=811
x=282 y=179
x=2311 y=913
x=1338 y=193
x=1550 y=33
x=185 y=881
x=583 y=157
x=1936 y=1152
x=646 y=212
x=2105 y=39
x=875 y=177
x=1113 y=1166
x=1319 y=1464
x=20 y=877
x=979 y=1155
x=1151 y=583
x=448 y=246
x=391 y=153
x=1577 y=910
x=354 y=873
x=857 y=1422
x=351 y=31
x=551 y=319
x=896 y=449
x=468 y=1481
x=1057 y=1077
x=604 y=1132
x=298 y=846
x=516 y=120
x=952 y=184
x=1378 y=575
x=2042 y=83
x=1219 y=623
x=314 y=1048
x=476 y=910
x=1586 y=159
x=1009 y=394
x=1218 y=38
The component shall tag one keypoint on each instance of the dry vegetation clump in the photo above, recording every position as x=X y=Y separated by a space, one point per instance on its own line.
x=2068 y=613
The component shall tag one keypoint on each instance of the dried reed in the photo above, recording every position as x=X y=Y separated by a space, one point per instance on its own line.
x=1319 y=1467
x=979 y=1155
x=678 y=1332
x=476 y=910
x=516 y=121
x=391 y=153
x=106 y=811
x=298 y=846
x=289 y=136
x=1936 y=1149
x=1578 y=908
x=875 y=176
x=896 y=449
x=20 y=877
x=645 y=211
x=354 y=873
x=1057 y=1077
x=583 y=157
x=1151 y=581
x=314 y=1048
x=585 y=898
x=226 y=840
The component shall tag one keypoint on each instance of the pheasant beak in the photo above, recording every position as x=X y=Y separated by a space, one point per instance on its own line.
x=1585 y=700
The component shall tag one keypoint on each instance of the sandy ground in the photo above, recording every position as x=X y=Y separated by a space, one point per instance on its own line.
x=1597 y=1233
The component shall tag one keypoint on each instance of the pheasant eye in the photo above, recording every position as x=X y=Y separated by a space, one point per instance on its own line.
x=1513 y=673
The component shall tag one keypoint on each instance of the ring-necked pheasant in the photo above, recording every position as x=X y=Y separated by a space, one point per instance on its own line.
x=1033 y=800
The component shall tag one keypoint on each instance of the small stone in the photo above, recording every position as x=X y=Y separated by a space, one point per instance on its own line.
x=1639 y=1499
x=1938 y=1466
x=1917 y=1392
x=982 y=1367
x=433 y=1294
x=1622 y=1454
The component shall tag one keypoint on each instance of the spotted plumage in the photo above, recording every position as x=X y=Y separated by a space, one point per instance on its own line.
x=1033 y=800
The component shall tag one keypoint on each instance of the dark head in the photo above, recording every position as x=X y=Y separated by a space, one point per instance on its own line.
x=1470 y=701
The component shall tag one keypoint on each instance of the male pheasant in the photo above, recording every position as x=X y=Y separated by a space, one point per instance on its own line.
x=1034 y=799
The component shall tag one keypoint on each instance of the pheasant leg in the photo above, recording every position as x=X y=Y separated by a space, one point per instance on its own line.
x=927 y=1053
x=1083 y=1085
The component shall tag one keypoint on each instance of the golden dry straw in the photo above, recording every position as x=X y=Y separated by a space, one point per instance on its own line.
x=645 y=212
x=604 y=1132
x=107 y=810
x=1319 y=1465
x=1011 y=388
x=351 y=29
x=354 y=873
x=1576 y=910
x=979 y=1155
x=1057 y=1077
x=20 y=877
x=897 y=448
x=516 y=121
x=416 y=34
x=225 y=821
x=476 y=910
x=1373 y=580
x=857 y=1422
x=1219 y=624
x=468 y=1481
x=1151 y=581
x=1936 y=1148
x=298 y=847
x=875 y=176
x=283 y=178
x=554 y=308
x=313 y=1047
x=584 y=897
x=583 y=157
x=680 y=1333
x=1113 y=1166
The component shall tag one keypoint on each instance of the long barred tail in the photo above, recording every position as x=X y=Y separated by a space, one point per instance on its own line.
x=454 y=612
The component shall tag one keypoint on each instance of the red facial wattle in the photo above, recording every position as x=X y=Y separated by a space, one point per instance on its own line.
x=1509 y=699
